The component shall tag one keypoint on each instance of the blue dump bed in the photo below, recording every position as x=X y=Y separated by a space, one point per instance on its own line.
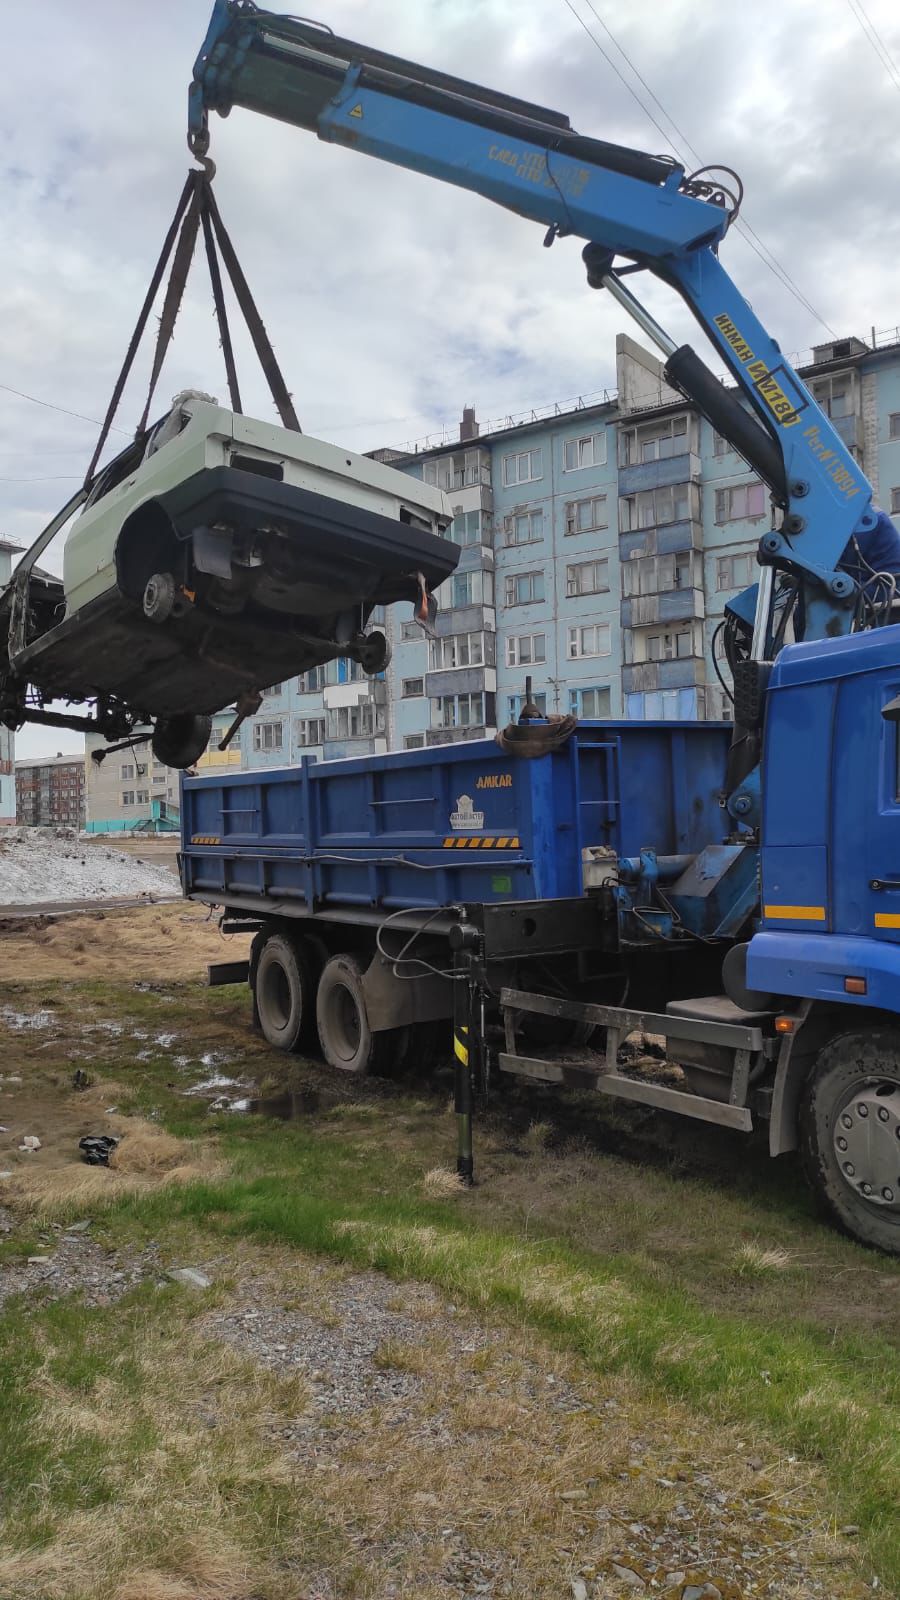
x=459 y=822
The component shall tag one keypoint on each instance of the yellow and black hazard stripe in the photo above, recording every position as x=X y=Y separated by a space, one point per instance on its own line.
x=502 y=842
x=461 y=1045
x=205 y=838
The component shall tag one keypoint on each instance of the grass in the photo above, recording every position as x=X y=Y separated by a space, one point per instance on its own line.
x=130 y=1454
x=831 y=1398
x=694 y=1273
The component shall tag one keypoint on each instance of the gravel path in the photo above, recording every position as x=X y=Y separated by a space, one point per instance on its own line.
x=71 y=1262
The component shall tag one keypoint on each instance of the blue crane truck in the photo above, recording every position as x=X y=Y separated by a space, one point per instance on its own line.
x=530 y=900
x=736 y=890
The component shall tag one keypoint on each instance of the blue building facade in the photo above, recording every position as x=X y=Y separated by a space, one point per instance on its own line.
x=598 y=546
x=8 y=554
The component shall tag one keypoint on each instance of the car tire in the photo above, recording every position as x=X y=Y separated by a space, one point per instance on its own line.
x=346 y=1040
x=160 y=597
x=283 y=994
x=374 y=653
x=179 y=741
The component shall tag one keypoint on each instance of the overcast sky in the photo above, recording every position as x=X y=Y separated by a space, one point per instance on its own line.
x=394 y=300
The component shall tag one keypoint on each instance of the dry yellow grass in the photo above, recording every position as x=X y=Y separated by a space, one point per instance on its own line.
x=441 y=1182
x=147 y=1157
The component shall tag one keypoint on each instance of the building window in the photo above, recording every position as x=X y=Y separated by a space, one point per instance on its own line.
x=742 y=501
x=128 y=797
x=312 y=681
x=589 y=451
x=412 y=688
x=457 y=650
x=656 y=574
x=458 y=711
x=524 y=467
x=454 y=472
x=834 y=394
x=737 y=571
x=525 y=527
x=342 y=670
x=895 y=500
x=413 y=741
x=274 y=688
x=141 y=797
x=526 y=649
x=410 y=630
x=655 y=441
x=465 y=529
x=361 y=721
x=126 y=771
x=653 y=508
x=588 y=577
x=522 y=588
x=668 y=646
x=589 y=702
x=586 y=516
x=515 y=702
x=894 y=425
x=267 y=735
x=589 y=641
x=470 y=589
x=309 y=731
x=721 y=447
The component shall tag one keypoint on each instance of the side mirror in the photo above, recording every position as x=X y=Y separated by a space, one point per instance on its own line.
x=891 y=712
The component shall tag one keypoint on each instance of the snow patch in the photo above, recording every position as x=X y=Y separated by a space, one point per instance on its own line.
x=51 y=865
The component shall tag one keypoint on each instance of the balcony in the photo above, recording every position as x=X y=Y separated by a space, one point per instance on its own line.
x=675 y=605
x=474 y=618
x=850 y=430
x=460 y=680
x=684 y=468
x=666 y=539
x=645 y=676
x=435 y=736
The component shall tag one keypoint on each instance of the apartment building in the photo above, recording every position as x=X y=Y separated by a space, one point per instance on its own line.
x=50 y=792
x=7 y=740
x=130 y=791
x=599 y=544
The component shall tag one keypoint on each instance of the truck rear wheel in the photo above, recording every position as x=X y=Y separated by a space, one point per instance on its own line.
x=283 y=994
x=850 y=1134
x=347 y=1041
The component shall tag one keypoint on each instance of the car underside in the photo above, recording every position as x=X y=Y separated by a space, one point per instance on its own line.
x=221 y=582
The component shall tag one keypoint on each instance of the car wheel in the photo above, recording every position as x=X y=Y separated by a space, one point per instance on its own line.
x=179 y=741
x=160 y=597
x=373 y=653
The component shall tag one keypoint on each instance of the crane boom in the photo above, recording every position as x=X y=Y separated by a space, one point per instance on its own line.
x=624 y=204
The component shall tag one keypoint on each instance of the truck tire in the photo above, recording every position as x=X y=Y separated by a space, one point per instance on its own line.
x=347 y=1041
x=282 y=993
x=850 y=1134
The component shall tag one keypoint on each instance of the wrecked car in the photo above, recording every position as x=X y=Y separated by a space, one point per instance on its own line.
x=214 y=556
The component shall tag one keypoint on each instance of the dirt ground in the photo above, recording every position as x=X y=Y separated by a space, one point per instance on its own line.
x=163 y=942
x=385 y=1441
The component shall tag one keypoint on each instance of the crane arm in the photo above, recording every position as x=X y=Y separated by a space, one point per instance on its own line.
x=624 y=204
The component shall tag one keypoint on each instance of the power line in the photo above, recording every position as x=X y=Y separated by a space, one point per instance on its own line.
x=52 y=406
x=750 y=236
x=876 y=41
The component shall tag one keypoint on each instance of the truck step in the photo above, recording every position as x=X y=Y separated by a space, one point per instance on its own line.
x=716 y=1008
x=616 y=1084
